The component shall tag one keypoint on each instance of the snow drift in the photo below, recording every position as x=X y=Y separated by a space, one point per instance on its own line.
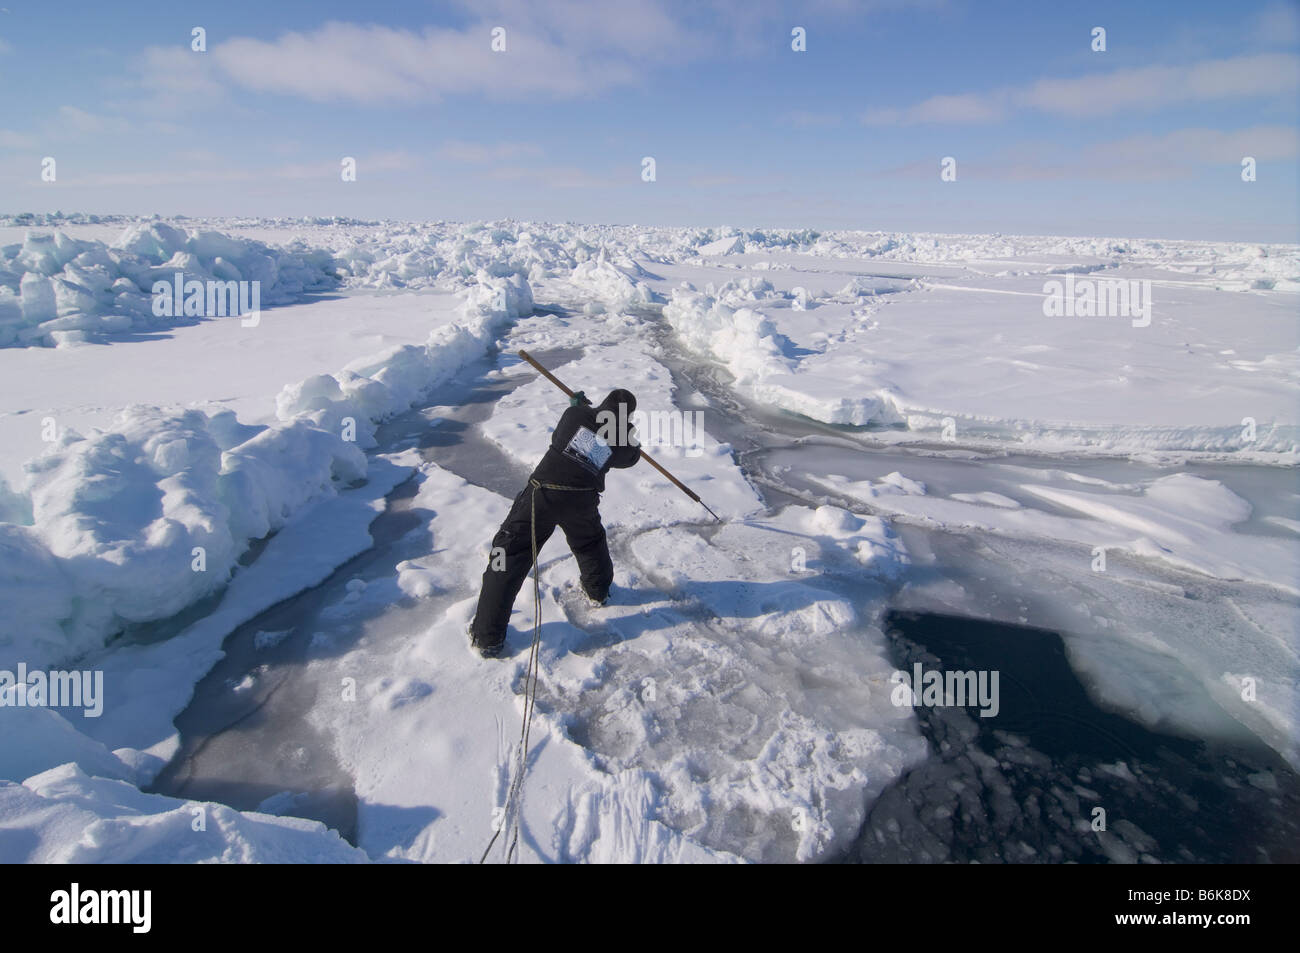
x=60 y=290
x=136 y=522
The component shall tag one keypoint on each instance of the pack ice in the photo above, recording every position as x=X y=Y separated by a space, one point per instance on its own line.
x=731 y=703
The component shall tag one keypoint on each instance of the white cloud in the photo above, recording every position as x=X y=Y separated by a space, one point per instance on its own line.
x=558 y=49
x=372 y=64
x=1242 y=77
x=965 y=107
x=1260 y=75
x=176 y=81
x=71 y=122
x=643 y=29
x=1264 y=143
x=1142 y=158
x=66 y=125
x=15 y=140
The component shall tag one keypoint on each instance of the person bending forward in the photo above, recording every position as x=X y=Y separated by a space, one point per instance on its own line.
x=564 y=490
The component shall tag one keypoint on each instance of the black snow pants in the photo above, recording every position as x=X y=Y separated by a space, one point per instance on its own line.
x=574 y=511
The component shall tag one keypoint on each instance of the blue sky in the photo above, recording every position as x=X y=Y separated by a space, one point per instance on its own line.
x=1050 y=137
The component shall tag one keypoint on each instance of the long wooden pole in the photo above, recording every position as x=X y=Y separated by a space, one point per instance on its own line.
x=644 y=456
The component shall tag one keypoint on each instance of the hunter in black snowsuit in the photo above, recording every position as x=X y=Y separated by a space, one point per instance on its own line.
x=566 y=488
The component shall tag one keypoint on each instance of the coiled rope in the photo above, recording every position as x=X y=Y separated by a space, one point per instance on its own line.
x=514 y=799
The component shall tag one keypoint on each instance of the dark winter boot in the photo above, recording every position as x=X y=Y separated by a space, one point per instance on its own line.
x=487 y=651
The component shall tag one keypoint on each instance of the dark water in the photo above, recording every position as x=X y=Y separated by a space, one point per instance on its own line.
x=1023 y=786
x=245 y=736
x=1019 y=787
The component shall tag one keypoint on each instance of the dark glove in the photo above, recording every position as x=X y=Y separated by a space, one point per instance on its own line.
x=579 y=397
